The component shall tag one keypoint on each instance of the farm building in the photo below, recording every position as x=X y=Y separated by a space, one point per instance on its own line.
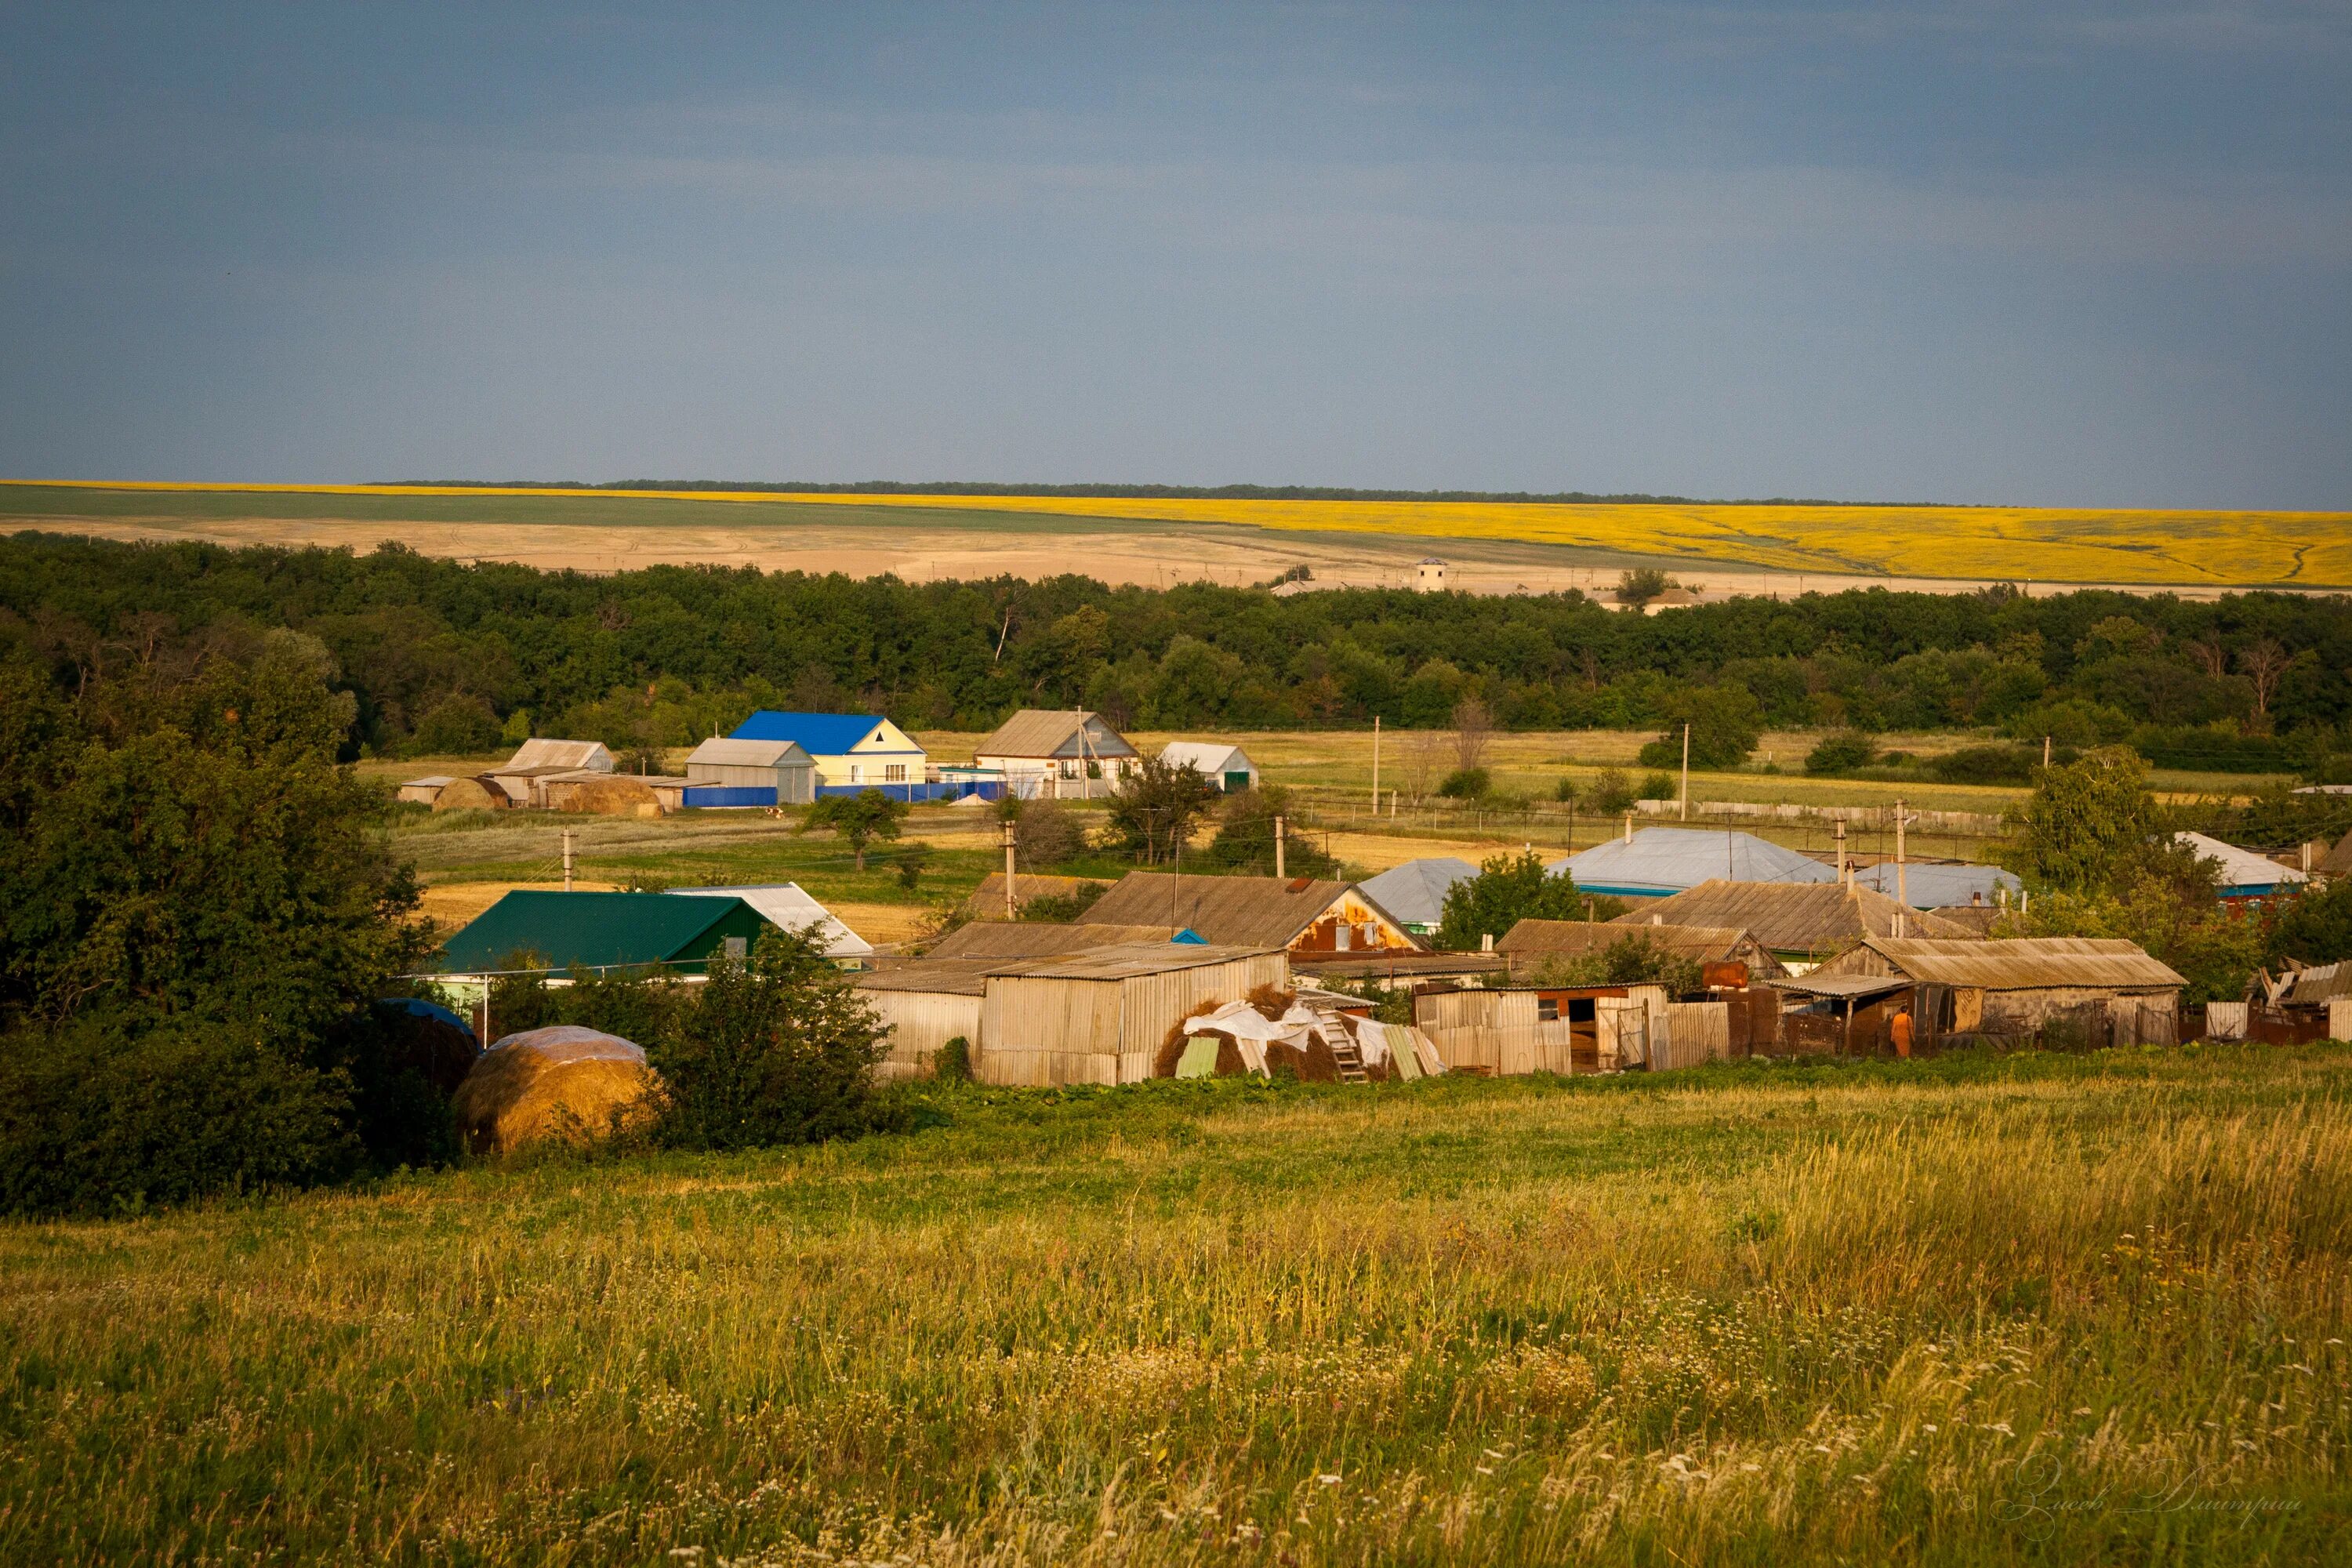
x=849 y=750
x=1058 y=754
x=2244 y=873
x=2312 y=1003
x=1415 y=891
x=1226 y=766
x=1935 y=885
x=1714 y=948
x=1798 y=924
x=603 y=930
x=424 y=791
x=2109 y=989
x=1659 y=862
x=925 y=1004
x=788 y=907
x=1507 y=1031
x=998 y=940
x=1101 y=1017
x=725 y=772
x=1302 y=915
x=1429 y=575
x=539 y=762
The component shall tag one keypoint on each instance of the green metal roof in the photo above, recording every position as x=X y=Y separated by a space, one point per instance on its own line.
x=599 y=929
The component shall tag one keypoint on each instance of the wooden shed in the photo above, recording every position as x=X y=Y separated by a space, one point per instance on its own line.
x=1100 y=1016
x=1511 y=1030
x=2109 y=989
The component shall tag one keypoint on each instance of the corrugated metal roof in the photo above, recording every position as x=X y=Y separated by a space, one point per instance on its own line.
x=1415 y=891
x=1244 y=910
x=1129 y=961
x=1039 y=939
x=788 y=907
x=1702 y=943
x=596 y=928
x=1936 y=887
x=2338 y=860
x=819 y=734
x=1214 y=758
x=1839 y=987
x=2322 y=982
x=952 y=976
x=1807 y=917
x=537 y=753
x=2028 y=964
x=1054 y=732
x=1660 y=861
x=731 y=751
x=2243 y=871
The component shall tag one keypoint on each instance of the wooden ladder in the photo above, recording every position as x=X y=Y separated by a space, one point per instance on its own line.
x=1343 y=1050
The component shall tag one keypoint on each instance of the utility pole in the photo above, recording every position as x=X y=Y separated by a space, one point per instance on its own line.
x=1902 y=881
x=2045 y=751
x=567 y=859
x=1685 y=770
x=1277 y=848
x=1629 y=827
x=1376 y=764
x=1009 y=910
x=1841 y=851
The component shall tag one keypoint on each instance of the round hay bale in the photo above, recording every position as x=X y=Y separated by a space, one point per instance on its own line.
x=471 y=794
x=615 y=795
x=563 y=1082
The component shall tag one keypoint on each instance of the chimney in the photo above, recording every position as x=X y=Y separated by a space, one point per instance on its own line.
x=1629 y=827
x=1486 y=942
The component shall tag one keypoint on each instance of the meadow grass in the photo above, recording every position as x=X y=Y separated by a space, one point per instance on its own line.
x=2022 y=1309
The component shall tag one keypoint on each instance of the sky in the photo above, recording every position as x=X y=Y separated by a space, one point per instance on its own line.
x=2035 y=254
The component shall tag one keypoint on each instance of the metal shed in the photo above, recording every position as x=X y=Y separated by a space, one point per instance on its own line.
x=779 y=772
x=2017 y=987
x=926 y=1005
x=1100 y=1016
x=1797 y=922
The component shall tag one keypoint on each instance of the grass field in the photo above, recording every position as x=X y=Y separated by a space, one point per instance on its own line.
x=2034 y=1309
x=2203 y=550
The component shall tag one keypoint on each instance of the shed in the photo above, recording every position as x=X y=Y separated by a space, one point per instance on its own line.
x=1221 y=764
x=604 y=931
x=847 y=751
x=1415 y=891
x=1302 y=914
x=788 y=907
x=1058 y=751
x=1511 y=1030
x=1000 y=939
x=1658 y=862
x=1100 y=1016
x=1530 y=943
x=767 y=773
x=538 y=752
x=2242 y=873
x=1935 y=885
x=2016 y=986
x=925 y=1004
x=426 y=790
x=1800 y=923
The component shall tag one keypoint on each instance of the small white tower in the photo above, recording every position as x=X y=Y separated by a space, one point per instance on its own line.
x=1429 y=574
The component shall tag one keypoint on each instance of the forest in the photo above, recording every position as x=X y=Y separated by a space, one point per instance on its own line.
x=444 y=656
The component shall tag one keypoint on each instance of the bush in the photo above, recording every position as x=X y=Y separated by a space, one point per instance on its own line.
x=1726 y=721
x=953 y=1062
x=1841 y=751
x=1610 y=793
x=1244 y=840
x=1508 y=890
x=1659 y=786
x=1061 y=908
x=458 y=725
x=1045 y=832
x=1989 y=764
x=778 y=1049
x=1564 y=791
x=1467 y=784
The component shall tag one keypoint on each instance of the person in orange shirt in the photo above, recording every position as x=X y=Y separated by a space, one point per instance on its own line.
x=1902 y=1031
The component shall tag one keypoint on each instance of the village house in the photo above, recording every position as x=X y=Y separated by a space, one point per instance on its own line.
x=849 y=752
x=1800 y=924
x=1302 y=915
x=1658 y=862
x=1226 y=766
x=1055 y=754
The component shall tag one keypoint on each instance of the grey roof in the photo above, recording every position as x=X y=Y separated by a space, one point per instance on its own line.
x=2322 y=982
x=2240 y=867
x=1129 y=961
x=1208 y=757
x=1415 y=891
x=1663 y=860
x=2025 y=963
x=997 y=939
x=1054 y=732
x=1246 y=910
x=1704 y=943
x=538 y=752
x=788 y=907
x=1803 y=916
x=1932 y=886
x=1842 y=987
x=720 y=752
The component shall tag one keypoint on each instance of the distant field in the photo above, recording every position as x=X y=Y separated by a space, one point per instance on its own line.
x=2193 y=550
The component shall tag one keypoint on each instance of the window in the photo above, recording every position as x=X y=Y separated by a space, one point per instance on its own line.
x=1547 y=1009
x=856 y=774
x=736 y=946
x=894 y=772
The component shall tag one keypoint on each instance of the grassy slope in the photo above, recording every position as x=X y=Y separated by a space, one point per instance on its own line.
x=2045 y=1309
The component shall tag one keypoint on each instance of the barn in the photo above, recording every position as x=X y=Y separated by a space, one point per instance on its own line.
x=1301 y=914
x=2101 y=990
x=725 y=772
x=1100 y=1016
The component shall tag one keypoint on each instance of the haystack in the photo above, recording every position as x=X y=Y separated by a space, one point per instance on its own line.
x=471 y=794
x=562 y=1082
x=613 y=795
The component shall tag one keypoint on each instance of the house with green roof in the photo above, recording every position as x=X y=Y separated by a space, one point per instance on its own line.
x=603 y=930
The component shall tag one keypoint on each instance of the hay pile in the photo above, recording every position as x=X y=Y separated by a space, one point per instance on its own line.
x=471 y=794
x=562 y=1082
x=615 y=795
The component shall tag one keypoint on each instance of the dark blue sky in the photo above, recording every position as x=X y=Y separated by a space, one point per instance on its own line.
x=2050 y=254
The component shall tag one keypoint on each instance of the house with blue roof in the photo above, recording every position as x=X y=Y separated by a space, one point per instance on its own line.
x=851 y=751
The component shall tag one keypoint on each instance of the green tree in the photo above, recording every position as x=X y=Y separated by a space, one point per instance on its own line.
x=859 y=819
x=1635 y=959
x=775 y=1049
x=1156 y=807
x=1841 y=751
x=1508 y=890
x=2316 y=928
x=2089 y=824
x=1244 y=840
x=1726 y=723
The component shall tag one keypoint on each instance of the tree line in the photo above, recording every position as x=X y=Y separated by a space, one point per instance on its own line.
x=440 y=656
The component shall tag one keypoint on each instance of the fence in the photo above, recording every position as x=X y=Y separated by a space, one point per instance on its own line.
x=918 y=794
x=728 y=795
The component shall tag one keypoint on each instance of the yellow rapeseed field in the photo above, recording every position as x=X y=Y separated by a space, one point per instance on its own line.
x=2209 y=548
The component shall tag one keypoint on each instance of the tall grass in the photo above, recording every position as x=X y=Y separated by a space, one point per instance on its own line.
x=2030 y=1311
